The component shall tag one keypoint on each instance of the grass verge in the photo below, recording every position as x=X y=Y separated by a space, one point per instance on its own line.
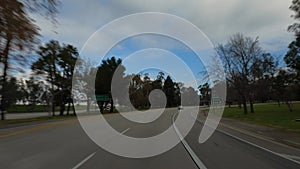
x=36 y=119
x=269 y=115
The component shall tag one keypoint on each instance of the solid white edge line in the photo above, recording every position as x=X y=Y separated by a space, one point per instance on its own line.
x=195 y=158
x=257 y=146
x=84 y=161
x=291 y=156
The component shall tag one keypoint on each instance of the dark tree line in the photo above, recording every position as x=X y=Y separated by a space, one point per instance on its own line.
x=140 y=86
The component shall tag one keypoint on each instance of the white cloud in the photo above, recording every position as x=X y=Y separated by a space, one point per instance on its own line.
x=221 y=19
x=218 y=19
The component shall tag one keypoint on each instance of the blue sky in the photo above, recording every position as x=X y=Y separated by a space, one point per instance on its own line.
x=152 y=49
x=78 y=20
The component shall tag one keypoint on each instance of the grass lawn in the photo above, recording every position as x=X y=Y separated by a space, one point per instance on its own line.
x=36 y=119
x=27 y=108
x=46 y=118
x=37 y=108
x=268 y=114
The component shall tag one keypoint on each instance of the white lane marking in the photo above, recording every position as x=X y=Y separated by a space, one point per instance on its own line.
x=90 y=156
x=291 y=156
x=265 y=138
x=84 y=161
x=195 y=158
x=123 y=132
x=257 y=146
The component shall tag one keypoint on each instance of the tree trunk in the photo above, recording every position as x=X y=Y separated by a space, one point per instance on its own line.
x=111 y=105
x=4 y=77
x=62 y=109
x=251 y=106
x=53 y=107
x=52 y=76
x=229 y=104
x=289 y=105
x=100 y=105
x=245 y=107
x=2 y=115
x=73 y=106
x=88 y=105
x=68 y=109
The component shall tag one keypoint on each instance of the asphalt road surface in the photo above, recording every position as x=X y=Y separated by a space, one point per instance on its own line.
x=64 y=144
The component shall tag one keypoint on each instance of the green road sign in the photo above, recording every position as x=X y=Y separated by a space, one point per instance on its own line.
x=216 y=101
x=102 y=98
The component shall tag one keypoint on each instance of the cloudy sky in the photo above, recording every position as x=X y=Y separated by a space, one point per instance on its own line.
x=218 y=20
x=78 y=20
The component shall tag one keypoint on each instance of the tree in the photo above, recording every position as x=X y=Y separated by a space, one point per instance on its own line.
x=34 y=91
x=245 y=63
x=18 y=32
x=14 y=91
x=67 y=60
x=84 y=82
x=262 y=70
x=170 y=91
x=177 y=99
x=57 y=62
x=189 y=95
x=136 y=91
x=47 y=64
x=140 y=88
x=205 y=92
x=232 y=96
x=103 y=80
x=285 y=88
x=292 y=58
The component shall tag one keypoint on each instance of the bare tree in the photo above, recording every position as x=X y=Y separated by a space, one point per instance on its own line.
x=245 y=63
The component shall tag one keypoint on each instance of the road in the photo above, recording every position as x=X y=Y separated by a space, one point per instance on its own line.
x=64 y=144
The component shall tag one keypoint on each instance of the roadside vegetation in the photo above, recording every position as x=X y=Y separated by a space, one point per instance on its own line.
x=35 y=120
x=269 y=114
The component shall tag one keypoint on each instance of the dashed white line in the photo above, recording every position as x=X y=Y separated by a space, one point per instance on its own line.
x=195 y=158
x=123 y=132
x=84 y=161
x=90 y=156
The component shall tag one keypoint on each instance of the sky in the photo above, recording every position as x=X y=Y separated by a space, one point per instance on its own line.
x=78 y=20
